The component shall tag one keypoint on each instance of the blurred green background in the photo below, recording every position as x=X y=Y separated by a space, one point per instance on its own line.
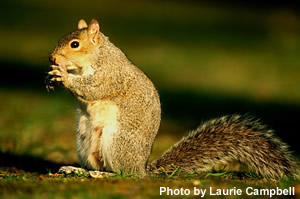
x=206 y=59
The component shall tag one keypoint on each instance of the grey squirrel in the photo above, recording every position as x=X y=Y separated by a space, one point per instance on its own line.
x=119 y=113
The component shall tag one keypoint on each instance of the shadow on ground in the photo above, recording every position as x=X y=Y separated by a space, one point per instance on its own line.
x=28 y=163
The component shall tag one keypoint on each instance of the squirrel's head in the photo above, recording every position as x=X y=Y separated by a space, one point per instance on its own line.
x=76 y=50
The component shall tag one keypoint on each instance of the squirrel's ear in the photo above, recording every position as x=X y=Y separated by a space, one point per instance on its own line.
x=82 y=24
x=93 y=30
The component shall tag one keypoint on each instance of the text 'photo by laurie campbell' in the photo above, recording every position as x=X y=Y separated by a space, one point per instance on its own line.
x=211 y=191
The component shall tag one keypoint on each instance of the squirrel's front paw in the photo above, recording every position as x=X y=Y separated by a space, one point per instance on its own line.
x=59 y=74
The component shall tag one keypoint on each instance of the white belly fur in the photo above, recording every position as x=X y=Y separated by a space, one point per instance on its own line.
x=103 y=115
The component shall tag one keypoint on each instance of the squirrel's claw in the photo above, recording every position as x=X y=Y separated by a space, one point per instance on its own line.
x=54 y=73
x=56 y=79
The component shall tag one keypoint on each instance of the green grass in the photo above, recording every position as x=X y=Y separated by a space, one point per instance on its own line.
x=206 y=60
x=50 y=186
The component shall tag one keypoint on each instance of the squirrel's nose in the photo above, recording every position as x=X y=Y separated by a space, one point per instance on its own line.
x=52 y=59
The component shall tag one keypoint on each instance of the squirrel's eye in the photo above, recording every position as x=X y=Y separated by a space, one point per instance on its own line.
x=75 y=44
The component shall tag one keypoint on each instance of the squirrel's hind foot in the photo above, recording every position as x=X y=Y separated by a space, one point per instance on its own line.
x=72 y=170
x=80 y=171
x=100 y=174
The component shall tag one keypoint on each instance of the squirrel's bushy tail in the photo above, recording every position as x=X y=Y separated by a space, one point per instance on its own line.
x=225 y=140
